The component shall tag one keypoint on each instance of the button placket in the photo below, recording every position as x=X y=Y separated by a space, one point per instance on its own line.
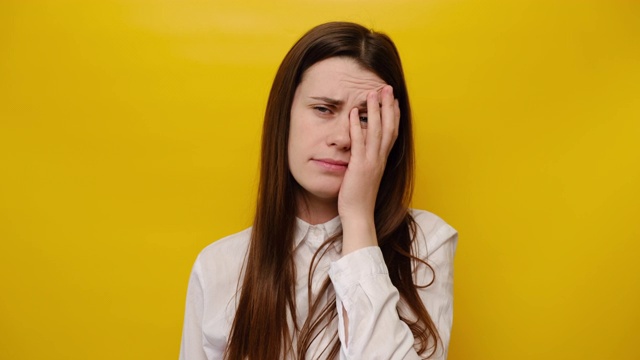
x=315 y=237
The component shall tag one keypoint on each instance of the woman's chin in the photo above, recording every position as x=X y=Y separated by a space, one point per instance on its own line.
x=322 y=195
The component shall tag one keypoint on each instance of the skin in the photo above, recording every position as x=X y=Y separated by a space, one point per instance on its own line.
x=337 y=159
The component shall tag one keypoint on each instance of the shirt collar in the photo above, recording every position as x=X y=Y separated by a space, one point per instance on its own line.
x=328 y=228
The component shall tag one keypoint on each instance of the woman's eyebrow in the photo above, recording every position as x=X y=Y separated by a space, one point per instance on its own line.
x=334 y=102
x=327 y=100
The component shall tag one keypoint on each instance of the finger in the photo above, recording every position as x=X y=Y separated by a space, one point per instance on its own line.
x=396 y=112
x=374 y=125
x=389 y=121
x=356 y=133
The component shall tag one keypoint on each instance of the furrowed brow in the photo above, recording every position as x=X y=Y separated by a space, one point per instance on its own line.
x=337 y=103
x=363 y=105
x=327 y=100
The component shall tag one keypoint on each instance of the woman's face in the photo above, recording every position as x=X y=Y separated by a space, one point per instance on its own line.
x=319 y=141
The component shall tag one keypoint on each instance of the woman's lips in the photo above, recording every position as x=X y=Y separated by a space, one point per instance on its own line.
x=331 y=164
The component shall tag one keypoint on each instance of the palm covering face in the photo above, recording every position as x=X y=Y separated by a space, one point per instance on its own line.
x=370 y=147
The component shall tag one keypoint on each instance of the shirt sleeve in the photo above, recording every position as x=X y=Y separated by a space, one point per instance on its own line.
x=365 y=292
x=191 y=347
x=438 y=297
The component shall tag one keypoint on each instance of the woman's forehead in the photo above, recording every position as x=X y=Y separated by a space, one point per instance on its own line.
x=338 y=75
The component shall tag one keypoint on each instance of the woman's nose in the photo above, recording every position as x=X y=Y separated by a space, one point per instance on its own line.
x=339 y=135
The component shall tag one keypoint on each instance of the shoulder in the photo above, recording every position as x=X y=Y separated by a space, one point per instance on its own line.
x=432 y=232
x=234 y=243
x=213 y=285
x=434 y=246
x=224 y=257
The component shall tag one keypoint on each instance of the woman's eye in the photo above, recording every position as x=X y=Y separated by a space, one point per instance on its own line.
x=322 y=109
x=363 y=118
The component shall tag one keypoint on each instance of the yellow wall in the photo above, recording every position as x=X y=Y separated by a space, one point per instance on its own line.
x=129 y=138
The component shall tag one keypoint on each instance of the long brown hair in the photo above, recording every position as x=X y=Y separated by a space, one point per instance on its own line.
x=267 y=295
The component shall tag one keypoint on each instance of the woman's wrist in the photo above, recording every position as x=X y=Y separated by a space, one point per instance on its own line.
x=358 y=233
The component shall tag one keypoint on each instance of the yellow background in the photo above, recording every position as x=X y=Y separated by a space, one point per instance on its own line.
x=129 y=135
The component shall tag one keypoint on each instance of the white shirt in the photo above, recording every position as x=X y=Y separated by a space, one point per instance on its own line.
x=360 y=281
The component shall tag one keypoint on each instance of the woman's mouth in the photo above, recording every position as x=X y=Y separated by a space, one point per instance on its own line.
x=331 y=164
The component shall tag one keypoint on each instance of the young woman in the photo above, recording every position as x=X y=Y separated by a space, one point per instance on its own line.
x=336 y=266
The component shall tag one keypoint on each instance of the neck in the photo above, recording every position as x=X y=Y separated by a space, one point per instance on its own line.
x=314 y=210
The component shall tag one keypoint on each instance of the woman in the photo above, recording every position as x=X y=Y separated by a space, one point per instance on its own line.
x=335 y=265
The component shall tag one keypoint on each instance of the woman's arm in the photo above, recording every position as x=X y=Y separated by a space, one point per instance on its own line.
x=437 y=247
x=370 y=147
x=191 y=347
x=369 y=324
